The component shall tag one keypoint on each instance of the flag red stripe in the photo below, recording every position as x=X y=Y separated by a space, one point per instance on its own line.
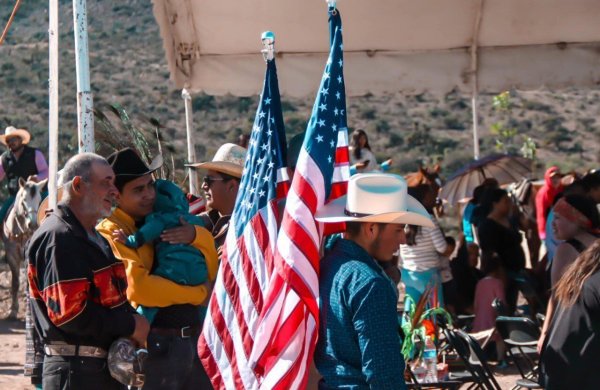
x=261 y=232
x=226 y=342
x=305 y=192
x=302 y=240
x=342 y=155
x=282 y=338
x=233 y=291
x=210 y=365
x=247 y=266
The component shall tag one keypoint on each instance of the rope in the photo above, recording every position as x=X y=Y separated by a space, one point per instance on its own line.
x=10 y=20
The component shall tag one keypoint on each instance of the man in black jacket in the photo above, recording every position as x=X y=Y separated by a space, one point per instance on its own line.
x=77 y=286
x=20 y=161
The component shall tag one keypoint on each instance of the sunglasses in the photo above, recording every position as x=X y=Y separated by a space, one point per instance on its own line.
x=208 y=180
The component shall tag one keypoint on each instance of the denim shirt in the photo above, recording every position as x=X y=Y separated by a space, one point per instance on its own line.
x=359 y=343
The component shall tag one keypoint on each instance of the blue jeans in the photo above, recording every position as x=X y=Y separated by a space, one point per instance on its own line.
x=173 y=364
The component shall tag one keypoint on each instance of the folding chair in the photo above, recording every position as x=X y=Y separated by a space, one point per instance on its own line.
x=521 y=334
x=470 y=374
x=525 y=284
x=476 y=358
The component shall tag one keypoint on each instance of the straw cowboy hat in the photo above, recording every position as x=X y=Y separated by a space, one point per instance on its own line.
x=229 y=160
x=14 y=132
x=376 y=197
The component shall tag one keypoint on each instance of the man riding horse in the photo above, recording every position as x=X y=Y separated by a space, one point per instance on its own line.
x=19 y=161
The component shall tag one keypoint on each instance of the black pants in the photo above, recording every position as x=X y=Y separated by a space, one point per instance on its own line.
x=173 y=364
x=62 y=373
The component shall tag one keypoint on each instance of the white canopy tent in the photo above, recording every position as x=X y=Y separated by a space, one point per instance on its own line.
x=389 y=45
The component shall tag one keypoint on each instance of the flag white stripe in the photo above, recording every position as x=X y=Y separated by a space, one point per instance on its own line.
x=229 y=316
x=295 y=258
x=214 y=344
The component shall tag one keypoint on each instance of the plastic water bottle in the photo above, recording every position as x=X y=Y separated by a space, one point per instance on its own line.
x=430 y=361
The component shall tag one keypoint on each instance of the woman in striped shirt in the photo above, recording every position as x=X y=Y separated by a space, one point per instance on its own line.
x=420 y=258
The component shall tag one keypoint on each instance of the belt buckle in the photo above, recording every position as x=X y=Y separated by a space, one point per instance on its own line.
x=184 y=330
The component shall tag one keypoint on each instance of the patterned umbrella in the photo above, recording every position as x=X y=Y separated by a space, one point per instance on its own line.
x=504 y=168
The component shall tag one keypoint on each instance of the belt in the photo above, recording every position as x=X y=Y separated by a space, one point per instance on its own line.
x=74 y=350
x=185 y=332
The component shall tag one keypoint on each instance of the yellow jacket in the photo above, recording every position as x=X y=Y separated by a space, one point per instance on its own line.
x=146 y=289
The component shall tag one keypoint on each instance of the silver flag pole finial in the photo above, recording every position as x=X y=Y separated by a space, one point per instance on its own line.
x=268 y=41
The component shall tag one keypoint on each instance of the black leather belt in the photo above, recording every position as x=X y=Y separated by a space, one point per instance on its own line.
x=184 y=333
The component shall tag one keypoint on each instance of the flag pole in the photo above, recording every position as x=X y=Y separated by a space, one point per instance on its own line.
x=85 y=103
x=52 y=100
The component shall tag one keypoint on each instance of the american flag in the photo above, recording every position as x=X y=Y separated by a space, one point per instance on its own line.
x=247 y=261
x=287 y=335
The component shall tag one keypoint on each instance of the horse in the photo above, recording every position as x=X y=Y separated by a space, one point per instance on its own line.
x=430 y=177
x=19 y=225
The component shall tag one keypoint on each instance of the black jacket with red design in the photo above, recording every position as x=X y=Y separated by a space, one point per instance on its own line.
x=77 y=288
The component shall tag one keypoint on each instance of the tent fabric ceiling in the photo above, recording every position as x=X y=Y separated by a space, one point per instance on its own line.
x=389 y=45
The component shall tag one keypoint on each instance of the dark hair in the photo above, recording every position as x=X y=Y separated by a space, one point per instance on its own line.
x=356 y=134
x=353 y=227
x=585 y=206
x=477 y=193
x=490 y=197
x=450 y=240
x=418 y=192
x=591 y=181
x=490 y=262
x=577 y=187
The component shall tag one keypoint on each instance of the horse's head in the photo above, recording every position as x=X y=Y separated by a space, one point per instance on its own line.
x=27 y=202
x=429 y=177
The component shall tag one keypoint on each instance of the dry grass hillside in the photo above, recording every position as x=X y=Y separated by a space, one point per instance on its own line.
x=128 y=67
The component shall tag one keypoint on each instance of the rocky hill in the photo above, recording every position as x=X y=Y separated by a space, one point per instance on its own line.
x=128 y=67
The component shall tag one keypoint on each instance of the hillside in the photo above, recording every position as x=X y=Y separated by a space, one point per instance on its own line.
x=128 y=67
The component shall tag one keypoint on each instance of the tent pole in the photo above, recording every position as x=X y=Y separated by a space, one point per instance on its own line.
x=85 y=103
x=53 y=100
x=187 y=99
x=475 y=80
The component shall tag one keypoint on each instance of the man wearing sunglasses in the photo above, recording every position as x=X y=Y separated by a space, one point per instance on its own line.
x=221 y=184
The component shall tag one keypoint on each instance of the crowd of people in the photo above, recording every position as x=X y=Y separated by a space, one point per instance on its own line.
x=121 y=257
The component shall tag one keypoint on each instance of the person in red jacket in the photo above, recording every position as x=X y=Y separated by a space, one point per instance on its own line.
x=545 y=197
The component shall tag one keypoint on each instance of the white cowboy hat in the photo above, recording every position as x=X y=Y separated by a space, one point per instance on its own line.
x=376 y=197
x=229 y=160
x=12 y=132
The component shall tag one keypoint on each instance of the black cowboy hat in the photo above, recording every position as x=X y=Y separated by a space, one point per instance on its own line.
x=126 y=162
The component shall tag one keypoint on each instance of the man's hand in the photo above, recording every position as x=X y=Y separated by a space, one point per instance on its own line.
x=142 y=328
x=119 y=236
x=183 y=234
x=388 y=162
x=33 y=178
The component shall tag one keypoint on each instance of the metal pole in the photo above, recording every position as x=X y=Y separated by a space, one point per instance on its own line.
x=85 y=103
x=53 y=100
x=187 y=99
x=475 y=79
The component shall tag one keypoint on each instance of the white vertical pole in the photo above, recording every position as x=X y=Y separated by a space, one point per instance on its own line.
x=475 y=79
x=85 y=103
x=187 y=98
x=475 y=115
x=53 y=100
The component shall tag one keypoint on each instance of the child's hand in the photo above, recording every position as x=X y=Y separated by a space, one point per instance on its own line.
x=119 y=236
